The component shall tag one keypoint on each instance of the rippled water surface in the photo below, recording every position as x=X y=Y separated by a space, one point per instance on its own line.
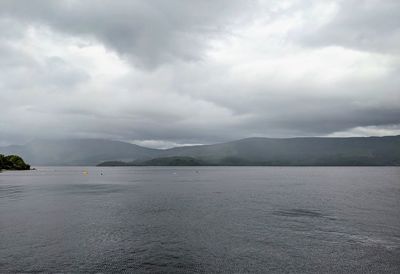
x=209 y=219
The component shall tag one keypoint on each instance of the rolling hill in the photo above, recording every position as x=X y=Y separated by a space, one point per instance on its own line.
x=298 y=151
x=250 y=151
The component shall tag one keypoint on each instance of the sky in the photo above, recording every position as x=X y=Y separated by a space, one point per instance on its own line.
x=163 y=73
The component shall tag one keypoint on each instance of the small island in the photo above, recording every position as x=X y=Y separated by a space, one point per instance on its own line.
x=13 y=162
x=162 y=161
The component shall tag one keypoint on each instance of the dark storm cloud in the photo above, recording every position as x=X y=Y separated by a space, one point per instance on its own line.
x=147 y=32
x=168 y=72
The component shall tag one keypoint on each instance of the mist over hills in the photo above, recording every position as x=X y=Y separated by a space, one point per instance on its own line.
x=78 y=151
x=250 y=151
x=299 y=151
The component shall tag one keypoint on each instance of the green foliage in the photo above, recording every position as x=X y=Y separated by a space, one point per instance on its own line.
x=13 y=162
x=172 y=161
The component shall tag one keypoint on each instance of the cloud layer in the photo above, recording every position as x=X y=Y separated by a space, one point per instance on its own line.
x=182 y=72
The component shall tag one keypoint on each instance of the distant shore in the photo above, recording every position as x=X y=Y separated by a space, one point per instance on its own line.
x=191 y=161
x=255 y=151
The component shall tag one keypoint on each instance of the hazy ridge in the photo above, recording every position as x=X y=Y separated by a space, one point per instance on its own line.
x=250 y=151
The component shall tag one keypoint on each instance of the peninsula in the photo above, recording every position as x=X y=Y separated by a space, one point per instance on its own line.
x=13 y=162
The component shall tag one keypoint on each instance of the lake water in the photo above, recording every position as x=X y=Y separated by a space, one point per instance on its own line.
x=206 y=219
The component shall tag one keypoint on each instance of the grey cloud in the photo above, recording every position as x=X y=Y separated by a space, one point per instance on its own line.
x=369 y=25
x=20 y=70
x=149 y=33
x=170 y=90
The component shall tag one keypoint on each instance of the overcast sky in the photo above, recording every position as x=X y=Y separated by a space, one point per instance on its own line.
x=166 y=72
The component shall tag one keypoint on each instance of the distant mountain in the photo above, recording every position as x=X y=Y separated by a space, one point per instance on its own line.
x=298 y=151
x=250 y=151
x=78 y=152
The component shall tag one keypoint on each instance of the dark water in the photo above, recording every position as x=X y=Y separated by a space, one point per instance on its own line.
x=216 y=219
